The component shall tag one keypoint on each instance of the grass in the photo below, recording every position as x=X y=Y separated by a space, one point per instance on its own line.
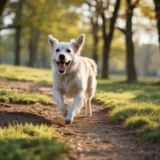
x=28 y=142
x=135 y=106
x=24 y=98
x=9 y=72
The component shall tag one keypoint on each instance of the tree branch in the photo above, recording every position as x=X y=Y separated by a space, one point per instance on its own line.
x=113 y=19
x=122 y=30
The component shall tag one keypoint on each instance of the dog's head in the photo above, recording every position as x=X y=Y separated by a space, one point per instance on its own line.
x=63 y=53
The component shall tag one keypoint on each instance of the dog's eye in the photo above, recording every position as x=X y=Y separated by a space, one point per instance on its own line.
x=68 y=50
x=57 y=50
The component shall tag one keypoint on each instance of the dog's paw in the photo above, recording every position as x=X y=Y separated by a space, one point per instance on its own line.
x=68 y=120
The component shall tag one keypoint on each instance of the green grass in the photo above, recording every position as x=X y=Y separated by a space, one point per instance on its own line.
x=24 y=98
x=135 y=106
x=25 y=74
x=28 y=142
x=151 y=132
x=137 y=121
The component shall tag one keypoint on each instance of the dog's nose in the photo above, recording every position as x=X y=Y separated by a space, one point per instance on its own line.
x=61 y=57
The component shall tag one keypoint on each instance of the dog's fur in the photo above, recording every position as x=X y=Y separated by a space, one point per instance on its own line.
x=74 y=76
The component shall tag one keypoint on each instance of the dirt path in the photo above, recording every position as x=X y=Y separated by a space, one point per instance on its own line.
x=94 y=138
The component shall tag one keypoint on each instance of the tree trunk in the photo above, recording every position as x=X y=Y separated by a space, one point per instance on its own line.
x=18 y=32
x=157 y=11
x=131 y=71
x=2 y=6
x=94 y=23
x=105 y=60
x=32 y=46
x=17 y=46
x=107 y=38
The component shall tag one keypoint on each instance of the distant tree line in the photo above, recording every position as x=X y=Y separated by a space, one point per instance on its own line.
x=39 y=17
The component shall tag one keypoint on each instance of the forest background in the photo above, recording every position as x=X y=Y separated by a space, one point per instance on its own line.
x=122 y=36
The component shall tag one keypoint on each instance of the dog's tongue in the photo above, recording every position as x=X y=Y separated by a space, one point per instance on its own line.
x=61 y=66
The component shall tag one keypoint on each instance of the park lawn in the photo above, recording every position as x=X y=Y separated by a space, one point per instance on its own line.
x=24 y=98
x=135 y=106
x=29 y=142
x=21 y=73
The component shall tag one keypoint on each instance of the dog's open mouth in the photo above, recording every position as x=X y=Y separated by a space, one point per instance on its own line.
x=62 y=66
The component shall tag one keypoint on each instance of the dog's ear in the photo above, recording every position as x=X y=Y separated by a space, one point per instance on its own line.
x=78 y=43
x=52 y=40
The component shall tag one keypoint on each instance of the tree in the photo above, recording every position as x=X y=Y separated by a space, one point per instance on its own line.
x=130 y=53
x=95 y=27
x=100 y=9
x=131 y=71
x=107 y=37
x=18 y=30
x=16 y=8
x=157 y=11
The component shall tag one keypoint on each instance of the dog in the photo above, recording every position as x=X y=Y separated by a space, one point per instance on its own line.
x=74 y=76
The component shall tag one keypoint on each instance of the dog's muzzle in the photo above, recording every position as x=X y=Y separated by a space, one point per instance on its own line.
x=62 y=66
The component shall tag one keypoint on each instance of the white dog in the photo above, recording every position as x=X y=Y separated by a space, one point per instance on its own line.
x=74 y=76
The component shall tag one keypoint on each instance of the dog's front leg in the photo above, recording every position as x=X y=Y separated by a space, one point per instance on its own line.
x=59 y=99
x=76 y=106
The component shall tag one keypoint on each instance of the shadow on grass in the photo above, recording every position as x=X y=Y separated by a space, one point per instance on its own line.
x=144 y=91
x=7 y=118
x=148 y=95
x=121 y=86
x=120 y=115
